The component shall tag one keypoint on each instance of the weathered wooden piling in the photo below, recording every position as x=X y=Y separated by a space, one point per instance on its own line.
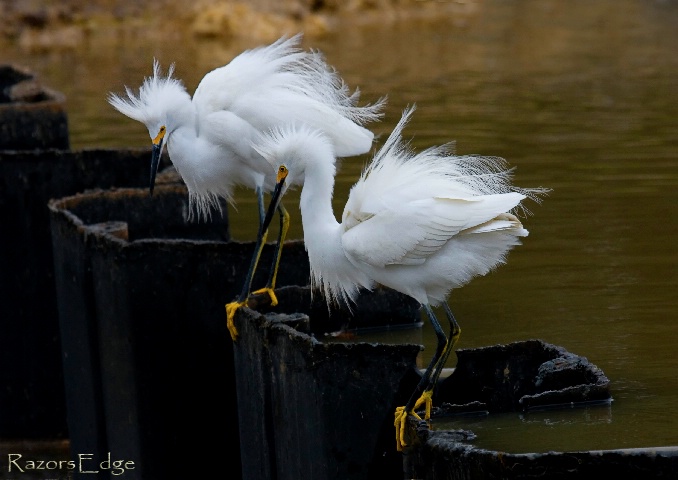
x=32 y=116
x=313 y=409
x=325 y=410
x=35 y=166
x=32 y=397
x=148 y=360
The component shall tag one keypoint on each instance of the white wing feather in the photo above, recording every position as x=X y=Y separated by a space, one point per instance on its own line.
x=280 y=83
x=407 y=206
x=418 y=229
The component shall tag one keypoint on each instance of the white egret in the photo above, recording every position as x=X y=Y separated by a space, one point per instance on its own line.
x=209 y=137
x=421 y=224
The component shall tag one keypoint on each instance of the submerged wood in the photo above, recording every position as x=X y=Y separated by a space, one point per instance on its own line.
x=449 y=455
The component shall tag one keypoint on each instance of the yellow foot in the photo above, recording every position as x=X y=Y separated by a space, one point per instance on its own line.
x=400 y=423
x=271 y=294
x=425 y=399
x=231 y=308
x=401 y=417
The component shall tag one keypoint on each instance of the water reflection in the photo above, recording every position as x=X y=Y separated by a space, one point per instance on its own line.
x=563 y=429
x=581 y=97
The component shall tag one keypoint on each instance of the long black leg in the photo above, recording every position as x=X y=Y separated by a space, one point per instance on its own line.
x=262 y=233
x=455 y=332
x=440 y=349
x=258 y=248
x=420 y=394
x=282 y=234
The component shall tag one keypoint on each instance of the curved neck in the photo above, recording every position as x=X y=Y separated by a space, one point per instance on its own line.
x=331 y=270
x=315 y=202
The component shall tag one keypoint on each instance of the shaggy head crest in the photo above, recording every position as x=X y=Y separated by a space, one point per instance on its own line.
x=292 y=143
x=158 y=95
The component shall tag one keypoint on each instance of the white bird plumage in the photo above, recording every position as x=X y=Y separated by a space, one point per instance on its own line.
x=421 y=224
x=448 y=216
x=209 y=137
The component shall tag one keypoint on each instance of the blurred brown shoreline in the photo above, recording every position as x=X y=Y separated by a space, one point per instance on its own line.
x=38 y=24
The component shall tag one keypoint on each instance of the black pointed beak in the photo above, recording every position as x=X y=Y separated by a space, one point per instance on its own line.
x=155 y=161
x=276 y=196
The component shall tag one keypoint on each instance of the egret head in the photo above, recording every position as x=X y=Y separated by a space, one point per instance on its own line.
x=295 y=147
x=160 y=105
x=291 y=150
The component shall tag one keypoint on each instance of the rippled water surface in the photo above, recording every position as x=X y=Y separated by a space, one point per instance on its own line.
x=580 y=96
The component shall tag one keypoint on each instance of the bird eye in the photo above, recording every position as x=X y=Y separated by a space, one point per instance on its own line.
x=282 y=173
x=159 y=136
